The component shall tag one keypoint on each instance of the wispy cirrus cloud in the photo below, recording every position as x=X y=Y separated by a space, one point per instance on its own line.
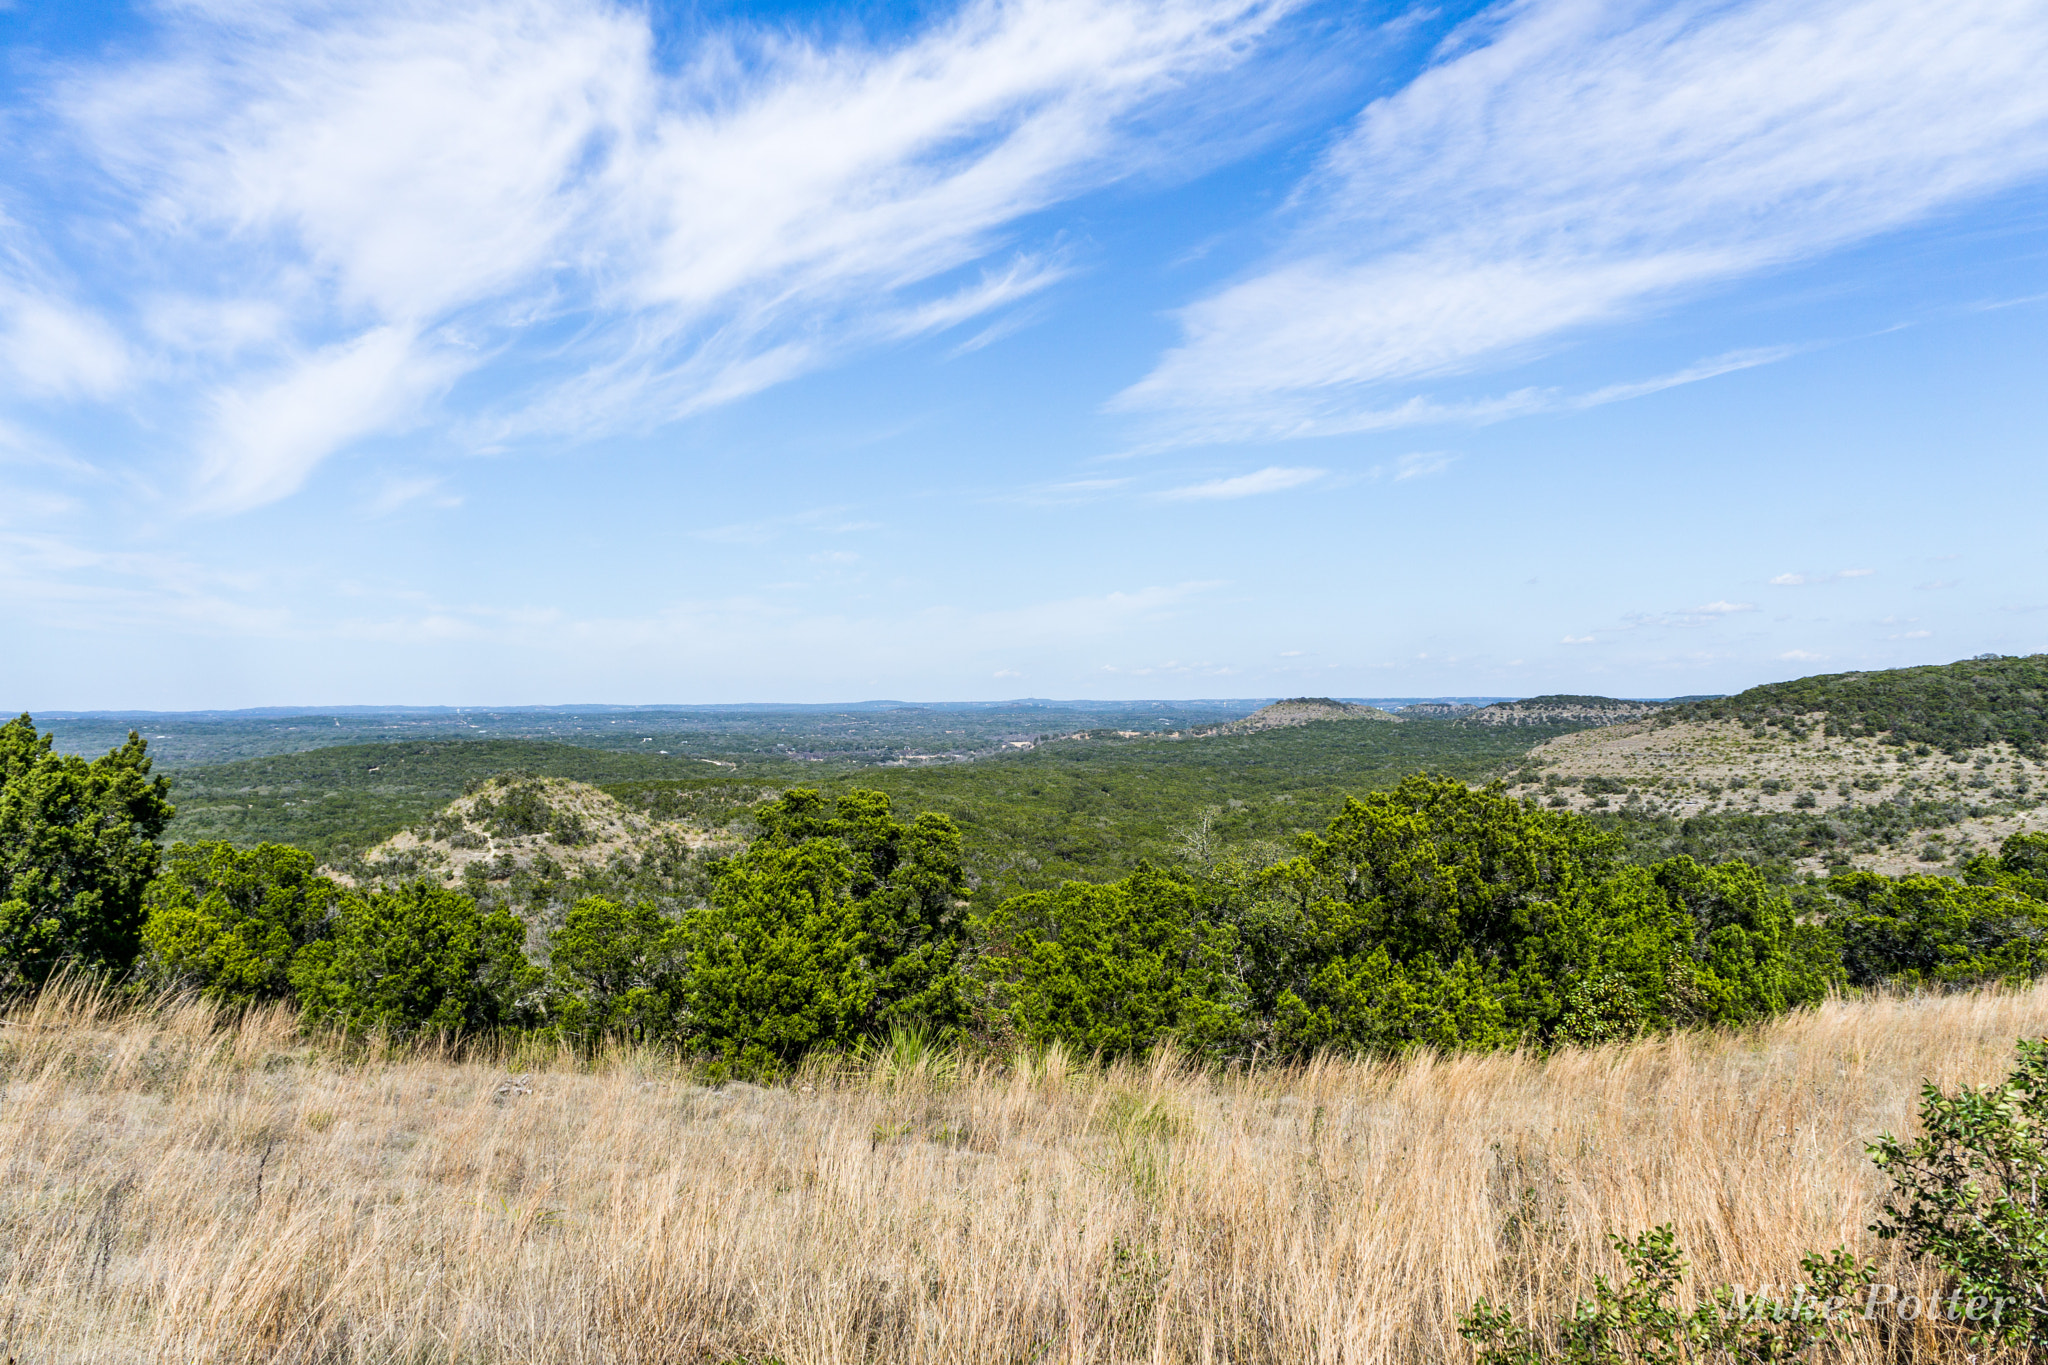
x=1420 y=464
x=1273 y=479
x=1573 y=163
x=1808 y=580
x=520 y=218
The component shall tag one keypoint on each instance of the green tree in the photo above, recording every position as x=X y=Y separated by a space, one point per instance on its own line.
x=416 y=958
x=228 y=922
x=1439 y=914
x=1112 y=969
x=837 y=922
x=78 y=846
x=908 y=880
x=1936 y=930
x=2021 y=865
x=616 y=969
x=1751 y=956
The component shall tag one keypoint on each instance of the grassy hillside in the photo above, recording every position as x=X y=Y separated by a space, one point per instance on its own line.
x=1952 y=707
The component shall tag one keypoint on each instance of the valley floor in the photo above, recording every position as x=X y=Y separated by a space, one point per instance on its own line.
x=182 y=1190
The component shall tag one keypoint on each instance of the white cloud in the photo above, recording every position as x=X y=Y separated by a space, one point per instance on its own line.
x=1724 y=608
x=1422 y=463
x=48 y=579
x=1911 y=635
x=399 y=193
x=1574 y=163
x=1572 y=640
x=55 y=349
x=815 y=521
x=1273 y=479
x=1807 y=580
x=404 y=490
x=267 y=436
x=1802 y=656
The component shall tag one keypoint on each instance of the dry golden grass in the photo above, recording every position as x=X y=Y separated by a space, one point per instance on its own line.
x=180 y=1190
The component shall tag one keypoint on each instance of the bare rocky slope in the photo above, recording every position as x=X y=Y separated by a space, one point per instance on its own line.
x=517 y=824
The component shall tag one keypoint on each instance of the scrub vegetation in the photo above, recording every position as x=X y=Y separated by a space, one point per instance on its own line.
x=1125 y=1033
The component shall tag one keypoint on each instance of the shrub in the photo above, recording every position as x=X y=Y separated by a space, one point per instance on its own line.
x=1637 y=1322
x=616 y=970
x=1969 y=1192
x=77 y=851
x=228 y=922
x=1923 y=930
x=836 y=923
x=1111 y=969
x=415 y=958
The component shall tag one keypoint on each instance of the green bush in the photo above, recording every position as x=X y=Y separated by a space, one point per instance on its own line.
x=1924 y=930
x=1443 y=915
x=1638 y=1322
x=1969 y=1195
x=2021 y=866
x=616 y=970
x=228 y=922
x=1113 y=969
x=838 y=922
x=419 y=958
x=78 y=847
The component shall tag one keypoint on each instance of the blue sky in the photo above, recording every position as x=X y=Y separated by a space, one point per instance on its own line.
x=537 y=351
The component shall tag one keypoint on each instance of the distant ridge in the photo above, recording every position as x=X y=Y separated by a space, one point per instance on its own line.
x=1304 y=711
x=1953 y=707
x=1565 y=710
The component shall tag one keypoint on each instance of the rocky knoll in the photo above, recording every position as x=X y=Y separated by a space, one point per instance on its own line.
x=1564 y=710
x=1303 y=711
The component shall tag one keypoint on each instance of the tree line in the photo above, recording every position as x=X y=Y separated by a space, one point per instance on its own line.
x=1432 y=914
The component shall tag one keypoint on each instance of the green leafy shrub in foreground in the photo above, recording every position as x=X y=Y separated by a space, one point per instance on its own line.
x=1637 y=1322
x=616 y=970
x=1112 y=969
x=1430 y=915
x=1936 y=931
x=1969 y=1194
x=1966 y=1196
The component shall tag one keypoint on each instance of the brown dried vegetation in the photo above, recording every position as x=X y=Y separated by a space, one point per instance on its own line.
x=180 y=1187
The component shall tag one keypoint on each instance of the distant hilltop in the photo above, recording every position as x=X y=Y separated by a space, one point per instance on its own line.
x=1560 y=710
x=1302 y=711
